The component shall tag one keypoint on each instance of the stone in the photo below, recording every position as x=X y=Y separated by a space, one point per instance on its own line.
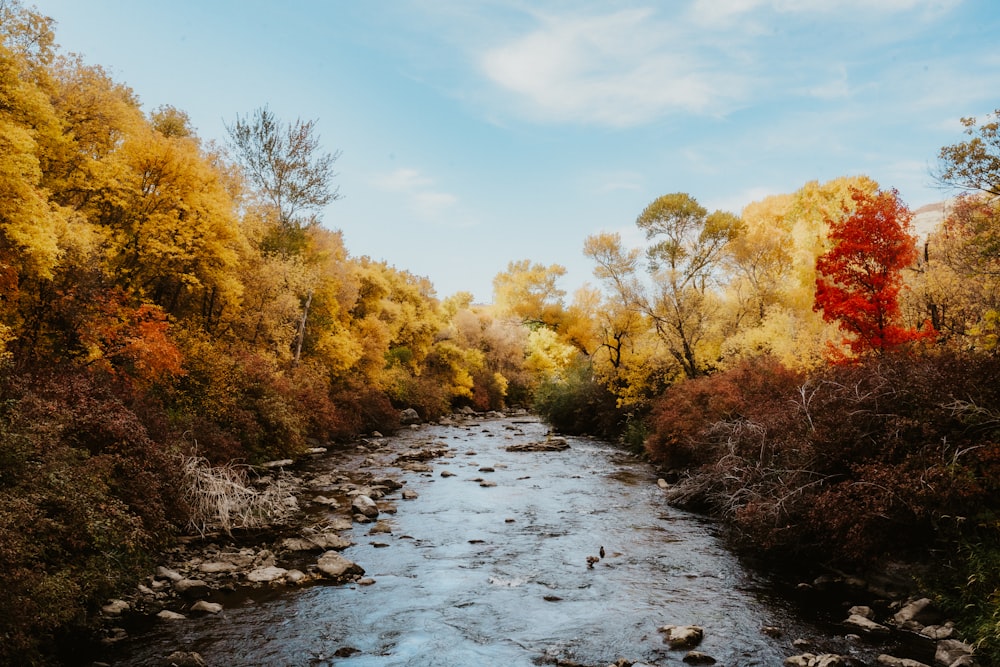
x=447 y=473
x=167 y=615
x=861 y=610
x=366 y=581
x=698 y=658
x=550 y=444
x=338 y=568
x=821 y=660
x=168 y=574
x=916 y=614
x=487 y=484
x=115 y=608
x=866 y=624
x=191 y=588
x=337 y=524
x=381 y=528
x=295 y=577
x=662 y=483
x=409 y=416
x=327 y=541
x=964 y=661
x=323 y=500
x=364 y=506
x=184 y=659
x=410 y=494
x=682 y=636
x=281 y=463
x=204 y=607
x=299 y=544
x=948 y=651
x=266 y=575
x=945 y=631
x=215 y=567
x=886 y=660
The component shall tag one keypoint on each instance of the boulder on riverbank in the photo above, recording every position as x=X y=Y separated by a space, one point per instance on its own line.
x=336 y=567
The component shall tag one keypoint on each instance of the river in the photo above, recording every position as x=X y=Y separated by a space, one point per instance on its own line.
x=497 y=574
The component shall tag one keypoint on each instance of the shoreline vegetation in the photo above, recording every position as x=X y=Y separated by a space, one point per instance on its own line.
x=811 y=372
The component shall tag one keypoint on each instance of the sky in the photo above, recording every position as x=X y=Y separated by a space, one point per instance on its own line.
x=473 y=133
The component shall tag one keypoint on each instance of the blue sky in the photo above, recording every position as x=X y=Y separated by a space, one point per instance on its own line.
x=474 y=133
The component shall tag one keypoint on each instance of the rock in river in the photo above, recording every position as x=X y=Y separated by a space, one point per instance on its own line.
x=338 y=568
x=550 y=444
x=365 y=506
x=682 y=636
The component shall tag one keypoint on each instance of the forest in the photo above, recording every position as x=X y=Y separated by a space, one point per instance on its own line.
x=810 y=371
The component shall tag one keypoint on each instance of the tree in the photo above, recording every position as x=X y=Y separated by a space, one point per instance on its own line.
x=683 y=260
x=958 y=284
x=293 y=177
x=974 y=165
x=529 y=292
x=860 y=276
x=285 y=163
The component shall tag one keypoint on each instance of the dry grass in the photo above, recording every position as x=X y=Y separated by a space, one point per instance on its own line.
x=221 y=498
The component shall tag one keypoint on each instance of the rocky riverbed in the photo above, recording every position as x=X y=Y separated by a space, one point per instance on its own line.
x=487 y=540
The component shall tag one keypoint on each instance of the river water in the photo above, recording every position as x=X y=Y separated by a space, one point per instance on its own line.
x=498 y=575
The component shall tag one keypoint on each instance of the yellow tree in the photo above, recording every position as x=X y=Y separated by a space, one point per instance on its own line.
x=772 y=274
x=530 y=293
x=684 y=256
x=957 y=285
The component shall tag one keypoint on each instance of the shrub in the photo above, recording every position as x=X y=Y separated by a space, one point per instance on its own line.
x=578 y=404
x=854 y=463
x=685 y=422
x=85 y=496
x=221 y=497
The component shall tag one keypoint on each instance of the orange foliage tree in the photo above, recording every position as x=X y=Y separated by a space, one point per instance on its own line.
x=860 y=276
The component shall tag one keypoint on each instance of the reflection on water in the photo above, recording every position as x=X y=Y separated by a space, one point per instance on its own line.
x=499 y=575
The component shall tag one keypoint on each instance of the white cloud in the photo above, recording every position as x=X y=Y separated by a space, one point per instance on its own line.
x=619 y=69
x=403 y=180
x=420 y=197
x=713 y=12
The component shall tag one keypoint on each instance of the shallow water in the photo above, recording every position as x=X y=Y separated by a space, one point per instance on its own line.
x=499 y=576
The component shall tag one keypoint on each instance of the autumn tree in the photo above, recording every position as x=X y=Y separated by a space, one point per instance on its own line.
x=529 y=292
x=683 y=262
x=286 y=164
x=860 y=276
x=974 y=165
x=293 y=177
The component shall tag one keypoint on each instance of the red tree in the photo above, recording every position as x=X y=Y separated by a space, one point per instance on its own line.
x=860 y=277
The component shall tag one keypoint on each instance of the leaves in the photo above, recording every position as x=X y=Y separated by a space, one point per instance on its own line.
x=974 y=165
x=860 y=277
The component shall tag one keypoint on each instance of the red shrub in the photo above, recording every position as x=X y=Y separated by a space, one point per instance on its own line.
x=683 y=418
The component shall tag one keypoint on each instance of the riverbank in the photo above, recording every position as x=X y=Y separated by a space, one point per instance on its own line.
x=477 y=553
